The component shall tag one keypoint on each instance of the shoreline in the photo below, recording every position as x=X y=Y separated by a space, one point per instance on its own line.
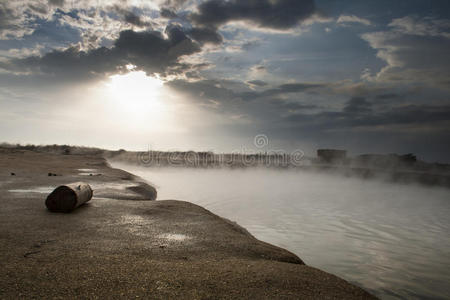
x=122 y=244
x=426 y=174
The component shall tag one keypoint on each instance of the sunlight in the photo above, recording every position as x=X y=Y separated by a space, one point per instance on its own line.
x=136 y=109
x=137 y=98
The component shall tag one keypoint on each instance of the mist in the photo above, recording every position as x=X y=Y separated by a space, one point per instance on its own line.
x=388 y=238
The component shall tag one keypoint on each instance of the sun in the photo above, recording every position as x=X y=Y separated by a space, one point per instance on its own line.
x=137 y=98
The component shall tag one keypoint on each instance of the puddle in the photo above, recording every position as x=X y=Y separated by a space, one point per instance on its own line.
x=112 y=185
x=174 y=237
x=41 y=190
x=87 y=170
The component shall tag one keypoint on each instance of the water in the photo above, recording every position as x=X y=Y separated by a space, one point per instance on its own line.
x=393 y=240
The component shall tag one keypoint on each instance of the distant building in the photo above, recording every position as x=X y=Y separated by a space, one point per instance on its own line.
x=331 y=155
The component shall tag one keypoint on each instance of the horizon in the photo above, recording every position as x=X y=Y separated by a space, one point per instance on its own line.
x=300 y=155
x=207 y=75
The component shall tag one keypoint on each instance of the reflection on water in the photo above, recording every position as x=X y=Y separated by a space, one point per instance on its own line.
x=391 y=239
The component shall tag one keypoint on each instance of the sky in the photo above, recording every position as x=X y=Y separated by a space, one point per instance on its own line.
x=366 y=76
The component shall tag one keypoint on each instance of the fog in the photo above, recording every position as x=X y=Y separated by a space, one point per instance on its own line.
x=391 y=239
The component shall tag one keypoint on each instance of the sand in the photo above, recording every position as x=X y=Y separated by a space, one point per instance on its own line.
x=122 y=244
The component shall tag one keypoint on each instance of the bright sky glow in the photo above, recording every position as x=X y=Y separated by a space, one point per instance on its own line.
x=137 y=99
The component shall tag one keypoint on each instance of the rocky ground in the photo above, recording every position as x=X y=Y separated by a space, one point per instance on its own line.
x=123 y=245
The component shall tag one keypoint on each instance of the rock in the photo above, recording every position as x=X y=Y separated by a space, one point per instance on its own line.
x=145 y=190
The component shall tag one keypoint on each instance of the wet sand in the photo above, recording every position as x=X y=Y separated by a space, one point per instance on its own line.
x=123 y=245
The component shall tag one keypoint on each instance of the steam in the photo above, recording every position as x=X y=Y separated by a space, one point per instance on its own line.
x=384 y=237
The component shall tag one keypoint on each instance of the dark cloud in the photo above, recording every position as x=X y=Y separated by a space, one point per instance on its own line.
x=174 y=4
x=358 y=105
x=204 y=89
x=428 y=136
x=192 y=75
x=257 y=82
x=413 y=114
x=148 y=50
x=133 y=19
x=291 y=106
x=73 y=13
x=151 y=52
x=387 y=96
x=419 y=115
x=39 y=8
x=296 y=118
x=130 y=17
x=284 y=89
x=205 y=35
x=167 y=13
x=56 y=2
x=70 y=63
x=222 y=91
x=295 y=87
x=357 y=111
x=281 y=14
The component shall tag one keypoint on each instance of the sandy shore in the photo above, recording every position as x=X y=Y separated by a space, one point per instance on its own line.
x=123 y=245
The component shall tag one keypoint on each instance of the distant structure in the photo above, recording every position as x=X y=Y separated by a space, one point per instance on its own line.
x=331 y=155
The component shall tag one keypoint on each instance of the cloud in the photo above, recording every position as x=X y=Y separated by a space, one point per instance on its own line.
x=168 y=13
x=21 y=18
x=291 y=107
x=259 y=83
x=280 y=91
x=376 y=111
x=427 y=26
x=56 y=2
x=415 y=51
x=343 y=19
x=281 y=14
x=386 y=96
x=358 y=105
x=226 y=90
x=239 y=71
x=39 y=8
x=301 y=118
x=361 y=117
x=174 y=4
x=21 y=52
x=241 y=44
x=205 y=35
x=131 y=18
x=207 y=89
x=294 y=88
x=149 y=51
x=12 y=20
